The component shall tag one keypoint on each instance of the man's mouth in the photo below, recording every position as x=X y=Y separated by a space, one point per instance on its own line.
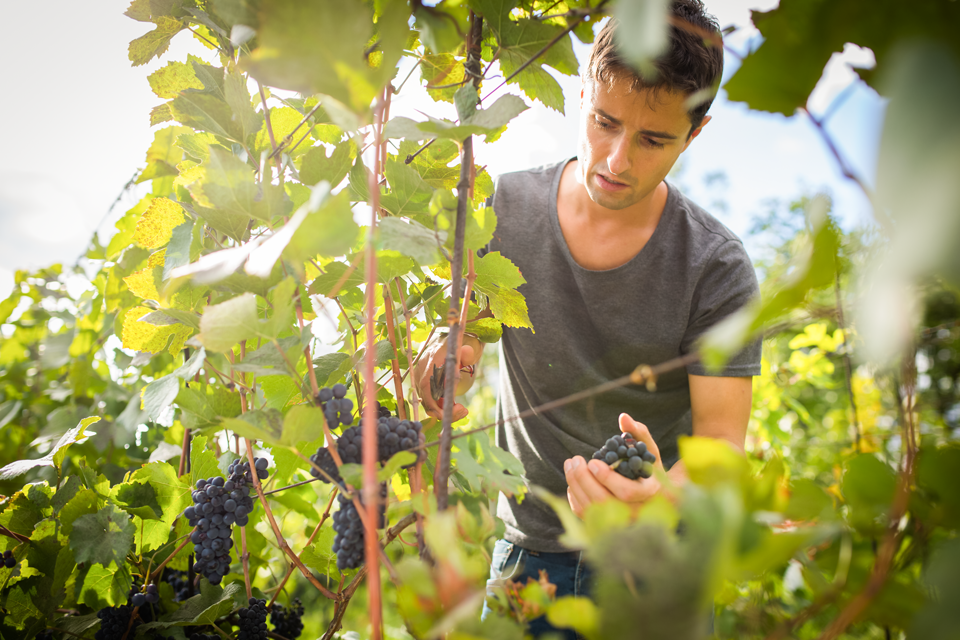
x=610 y=184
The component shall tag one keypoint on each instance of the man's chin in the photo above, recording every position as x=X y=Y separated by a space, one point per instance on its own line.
x=614 y=201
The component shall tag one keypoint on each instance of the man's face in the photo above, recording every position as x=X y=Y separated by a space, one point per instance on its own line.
x=628 y=141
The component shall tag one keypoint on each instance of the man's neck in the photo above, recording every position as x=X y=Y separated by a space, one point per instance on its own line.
x=599 y=238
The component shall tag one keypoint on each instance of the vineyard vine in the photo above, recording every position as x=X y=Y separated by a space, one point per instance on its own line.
x=208 y=429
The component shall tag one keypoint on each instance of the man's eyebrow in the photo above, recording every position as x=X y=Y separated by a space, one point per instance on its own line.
x=646 y=132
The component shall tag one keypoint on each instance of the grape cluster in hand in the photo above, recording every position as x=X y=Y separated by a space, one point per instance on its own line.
x=348 y=543
x=337 y=408
x=8 y=560
x=253 y=621
x=287 y=621
x=627 y=456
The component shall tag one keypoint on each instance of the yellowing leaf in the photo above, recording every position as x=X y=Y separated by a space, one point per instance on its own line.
x=157 y=223
x=142 y=336
x=156 y=259
x=169 y=81
x=142 y=284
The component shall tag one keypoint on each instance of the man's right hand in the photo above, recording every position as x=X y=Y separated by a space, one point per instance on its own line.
x=436 y=356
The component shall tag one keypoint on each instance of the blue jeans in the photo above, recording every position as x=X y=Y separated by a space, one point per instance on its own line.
x=569 y=571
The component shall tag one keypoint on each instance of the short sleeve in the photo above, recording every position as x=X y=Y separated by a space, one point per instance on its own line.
x=728 y=283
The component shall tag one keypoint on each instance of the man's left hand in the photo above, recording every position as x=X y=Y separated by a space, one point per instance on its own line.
x=595 y=481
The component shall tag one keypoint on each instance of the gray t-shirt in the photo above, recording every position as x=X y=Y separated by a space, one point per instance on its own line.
x=594 y=326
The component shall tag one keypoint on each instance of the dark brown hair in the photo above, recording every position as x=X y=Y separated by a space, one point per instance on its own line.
x=692 y=62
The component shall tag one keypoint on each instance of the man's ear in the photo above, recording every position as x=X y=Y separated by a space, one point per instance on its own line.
x=696 y=132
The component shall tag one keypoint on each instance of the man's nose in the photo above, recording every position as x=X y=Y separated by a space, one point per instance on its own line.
x=618 y=160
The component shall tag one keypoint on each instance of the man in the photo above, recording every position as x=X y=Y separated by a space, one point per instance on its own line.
x=621 y=270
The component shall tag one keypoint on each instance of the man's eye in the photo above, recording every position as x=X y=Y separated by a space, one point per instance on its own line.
x=602 y=124
x=653 y=143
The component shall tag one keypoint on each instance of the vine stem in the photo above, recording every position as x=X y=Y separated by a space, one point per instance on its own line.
x=13 y=534
x=452 y=363
x=284 y=547
x=347 y=593
x=371 y=491
x=292 y=567
x=886 y=554
x=643 y=374
x=417 y=484
x=847 y=366
x=156 y=572
x=395 y=362
x=245 y=561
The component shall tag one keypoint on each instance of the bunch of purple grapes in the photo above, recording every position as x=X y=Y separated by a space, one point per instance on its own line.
x=8 y=560
x=150 y=596
x=213 y=514
x=253 y=621
x=287 y=622
x=627 y=456
x=348 y=543
x=337 y=407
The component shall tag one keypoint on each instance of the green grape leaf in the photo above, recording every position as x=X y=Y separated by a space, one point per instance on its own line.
x=327 y=229
x=237 y=96
x=519 y=41
x=411 y=239
x=103 y=537
x=170 y=80
x=320 y=556
x=329 y=365
x=224 y=325
x=228 y=183
x=441 y=70
x=154 y=43
x=163 y=154
x=395 y=463
x=56 y=455
x=317 y=166
x=409 y=194
x=868 y=487
x=303 y=423
x=284 y=121
x=137 y=498
x=268 y=360
x=486 y=329
x=278 y=390
x=78 y=624
x=208 y=606
x=178 y=249
x=264 y=425
x=158 y=395
x=196 y=145
x=494 y=270
x=206 y=112
x=442 y=27
x=481 y=122
x=577 y=613
x=203 y=463
x=315 y=47
x=105 y=586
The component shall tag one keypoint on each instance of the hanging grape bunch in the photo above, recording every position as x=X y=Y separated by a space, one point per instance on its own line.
x=213 y=513
x=150 y=596
x=348 y=543
x=253 y=621
x=393 y=435
x=8 y=560
x=627 y=456
x=180 y=583
x=114 y=622
x=337 y=407
x=287 y=621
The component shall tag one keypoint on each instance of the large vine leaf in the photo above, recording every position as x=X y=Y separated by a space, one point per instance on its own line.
x=208 y=606
x=227 y=183
x=103 y=537
x=56 y=455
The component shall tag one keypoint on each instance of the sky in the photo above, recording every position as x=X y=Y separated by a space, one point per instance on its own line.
x=77 y=128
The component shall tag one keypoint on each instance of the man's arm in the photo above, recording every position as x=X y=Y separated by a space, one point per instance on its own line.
x=720 y=409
